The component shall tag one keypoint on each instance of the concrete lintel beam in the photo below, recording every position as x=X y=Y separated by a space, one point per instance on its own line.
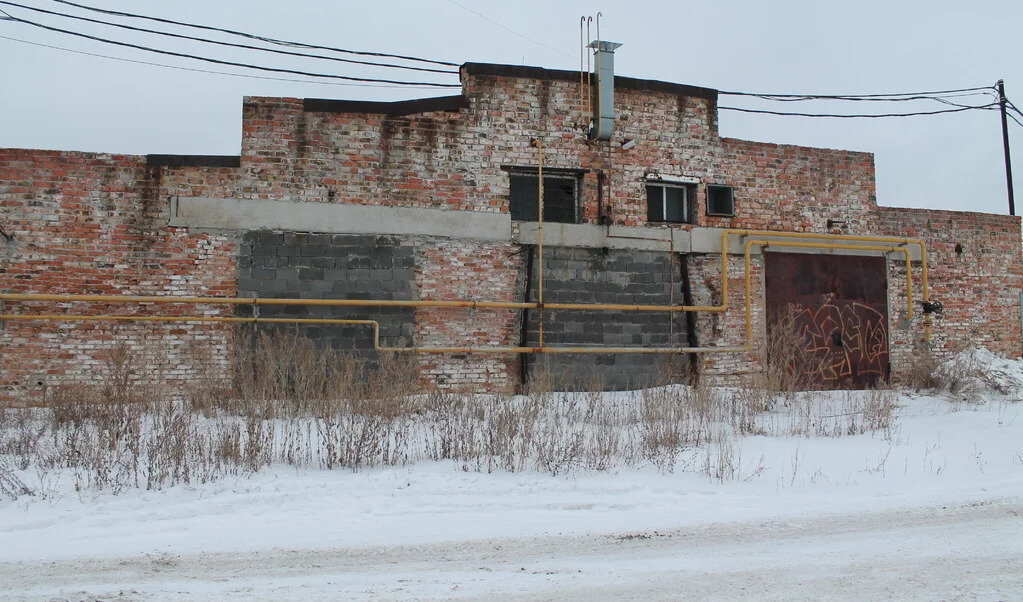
x=261 y=214
x=591 y=236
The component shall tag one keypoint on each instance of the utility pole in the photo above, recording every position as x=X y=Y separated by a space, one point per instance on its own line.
x=1005 y=146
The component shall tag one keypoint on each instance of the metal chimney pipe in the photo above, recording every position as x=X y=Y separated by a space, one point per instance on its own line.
x=602 y=124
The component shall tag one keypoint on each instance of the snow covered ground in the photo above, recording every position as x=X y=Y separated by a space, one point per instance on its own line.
x=931 y=507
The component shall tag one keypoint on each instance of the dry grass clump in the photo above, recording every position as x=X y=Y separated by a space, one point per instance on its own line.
x=784 y=356
x=781 y=376
x=284 y=401
x=920 y=372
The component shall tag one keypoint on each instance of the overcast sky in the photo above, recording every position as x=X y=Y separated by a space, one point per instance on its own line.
x=55 y=99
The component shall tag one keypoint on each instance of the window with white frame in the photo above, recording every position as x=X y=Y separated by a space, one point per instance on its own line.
x=669 y=202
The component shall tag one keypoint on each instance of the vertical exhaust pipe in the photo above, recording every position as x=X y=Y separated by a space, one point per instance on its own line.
x=603 y=121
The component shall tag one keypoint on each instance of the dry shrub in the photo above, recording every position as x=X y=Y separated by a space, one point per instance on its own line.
x=784 y=357
x=781 y=378
x=677 y=417
x=540 y=380
x=921 y=370
x=21 y=430
x=560 y=435
x=511 y=423
x=878 y=409
x=389 y=390
x=282 y=374
x=294 y=403
x=11 y=486
x=210 y=385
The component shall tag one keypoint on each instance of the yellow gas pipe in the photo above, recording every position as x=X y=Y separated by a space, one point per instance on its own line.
x=539 y=305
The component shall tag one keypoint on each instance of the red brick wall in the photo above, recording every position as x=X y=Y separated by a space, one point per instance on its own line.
x=96 y=224
x=458 y=270
x=979 y=286
x=784 y=187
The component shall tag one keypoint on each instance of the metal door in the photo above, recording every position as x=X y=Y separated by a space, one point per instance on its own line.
x=834 y=310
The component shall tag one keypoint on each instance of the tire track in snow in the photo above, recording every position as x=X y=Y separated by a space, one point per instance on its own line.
x=965 y=550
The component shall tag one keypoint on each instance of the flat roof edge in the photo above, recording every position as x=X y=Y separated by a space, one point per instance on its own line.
x=194 y=160
x=393 y=109
x=629 y=83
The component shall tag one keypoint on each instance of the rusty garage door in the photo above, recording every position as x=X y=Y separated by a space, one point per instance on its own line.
x=828 y=314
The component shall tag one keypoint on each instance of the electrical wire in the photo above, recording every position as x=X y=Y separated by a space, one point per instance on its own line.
x=508 y=29
x=232 y=63
x=847 y=116
x=231 y=44
x=1013 y=117
x=255 y=37
x=196 y=70
x=893 y=97
x=1013 y=107
x=994 y=99
x=938 y=98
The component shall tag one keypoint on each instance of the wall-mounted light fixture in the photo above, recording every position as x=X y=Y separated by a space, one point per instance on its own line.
x=631 y=142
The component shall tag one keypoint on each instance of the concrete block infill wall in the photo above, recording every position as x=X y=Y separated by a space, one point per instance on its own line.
x=608 y=276
x=323 y=266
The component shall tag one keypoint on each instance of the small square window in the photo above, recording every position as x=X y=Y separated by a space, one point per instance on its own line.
x=720 y=200
x=560 y=197
x=669 y=203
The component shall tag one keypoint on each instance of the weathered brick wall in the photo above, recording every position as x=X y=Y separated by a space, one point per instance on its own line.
x=608 y=276
x=785 y=187
x=975 y=271
x=448 y=270
x=728 y=328
x=95 y=224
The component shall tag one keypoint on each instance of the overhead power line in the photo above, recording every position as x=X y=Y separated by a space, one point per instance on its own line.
x=889 y=97
x=222 y=43
x=232 y=63
x=1013 y=107
x=510 y=30
x=862 y=115
x=943 y=98
x=253 y=36
x=1008 y=103
x=196 y=70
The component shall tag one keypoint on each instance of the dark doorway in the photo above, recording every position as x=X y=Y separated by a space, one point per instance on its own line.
x=834 y=308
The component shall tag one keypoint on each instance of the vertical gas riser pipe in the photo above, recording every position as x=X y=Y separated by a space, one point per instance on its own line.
x=539 y=236
x=602 y=125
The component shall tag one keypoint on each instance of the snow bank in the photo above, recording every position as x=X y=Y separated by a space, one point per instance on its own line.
x=936 y=452
x=976 y=372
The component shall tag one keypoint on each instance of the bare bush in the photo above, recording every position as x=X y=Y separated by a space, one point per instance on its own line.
x=11 y=486
x=293 y=403
x=920 y=371
x=785 y=358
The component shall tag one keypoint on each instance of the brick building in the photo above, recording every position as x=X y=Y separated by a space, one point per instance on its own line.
x=435 y=199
